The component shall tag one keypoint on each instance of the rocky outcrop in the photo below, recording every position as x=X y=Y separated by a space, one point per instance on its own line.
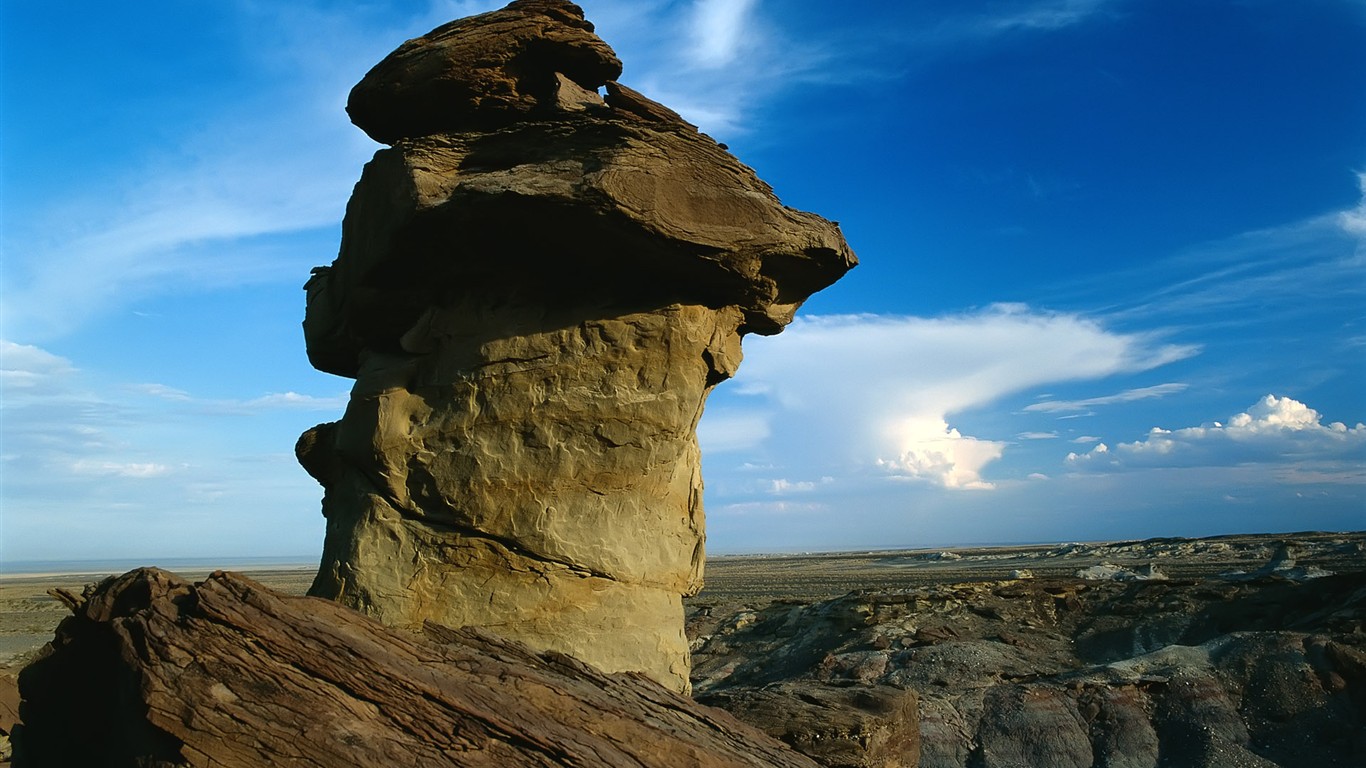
x=152 y=670
x=537 y=288
x=1059 y=671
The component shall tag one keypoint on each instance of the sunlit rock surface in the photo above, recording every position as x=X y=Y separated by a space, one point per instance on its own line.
x=537 y=288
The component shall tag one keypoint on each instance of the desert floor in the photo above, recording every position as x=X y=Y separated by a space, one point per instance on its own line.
x=29 y=614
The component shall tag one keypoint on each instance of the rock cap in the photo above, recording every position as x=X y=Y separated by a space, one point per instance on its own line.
x=482 y=72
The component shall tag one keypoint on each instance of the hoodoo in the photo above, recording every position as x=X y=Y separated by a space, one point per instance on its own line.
x=538 y=285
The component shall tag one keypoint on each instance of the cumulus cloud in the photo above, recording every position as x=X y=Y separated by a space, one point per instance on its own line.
x=876 y=394
x=935 y=451
x=1274 y=430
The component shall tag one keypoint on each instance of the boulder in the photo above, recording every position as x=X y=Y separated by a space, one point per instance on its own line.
x=535 y=294
x=152 y=670
x=838 y=726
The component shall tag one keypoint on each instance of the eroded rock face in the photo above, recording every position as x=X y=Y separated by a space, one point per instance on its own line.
x=1053 y=672
x=152 y=670
x=536 y=291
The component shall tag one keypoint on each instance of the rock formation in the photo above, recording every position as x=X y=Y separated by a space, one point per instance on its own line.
x=1052 y=671
x=154 y=671
x=536 y=290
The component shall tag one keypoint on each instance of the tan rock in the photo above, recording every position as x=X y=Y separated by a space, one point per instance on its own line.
x=534 y=315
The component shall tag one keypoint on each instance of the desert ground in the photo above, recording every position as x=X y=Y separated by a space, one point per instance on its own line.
x=29 y=613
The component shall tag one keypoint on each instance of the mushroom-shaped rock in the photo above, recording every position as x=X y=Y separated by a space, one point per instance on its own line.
x=534 y=314
x=482 y=71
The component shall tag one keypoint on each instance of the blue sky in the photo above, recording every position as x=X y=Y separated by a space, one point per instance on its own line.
x=1113 y=277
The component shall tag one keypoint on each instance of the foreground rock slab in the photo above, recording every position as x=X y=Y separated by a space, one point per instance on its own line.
x=154 y=671
x=537 y=289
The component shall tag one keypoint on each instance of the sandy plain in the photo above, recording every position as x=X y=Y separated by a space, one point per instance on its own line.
x=29 y=613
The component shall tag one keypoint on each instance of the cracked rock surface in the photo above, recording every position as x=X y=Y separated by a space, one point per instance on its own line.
x=537 y=288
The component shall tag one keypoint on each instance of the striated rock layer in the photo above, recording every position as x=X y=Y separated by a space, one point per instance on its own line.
x=537 y=289
x=154 y=671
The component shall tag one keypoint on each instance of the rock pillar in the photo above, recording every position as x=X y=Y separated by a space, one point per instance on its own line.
x=537 y=288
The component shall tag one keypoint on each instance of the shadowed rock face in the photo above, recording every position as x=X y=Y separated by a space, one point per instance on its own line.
x=536 y=291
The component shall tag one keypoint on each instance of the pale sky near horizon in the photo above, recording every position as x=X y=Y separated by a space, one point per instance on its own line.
x=1113 y=279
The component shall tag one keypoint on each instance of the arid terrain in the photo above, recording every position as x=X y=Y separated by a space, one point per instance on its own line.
x=28 y=614
x=1246 y=650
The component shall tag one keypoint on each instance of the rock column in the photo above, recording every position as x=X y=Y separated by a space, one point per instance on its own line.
x=537 y=288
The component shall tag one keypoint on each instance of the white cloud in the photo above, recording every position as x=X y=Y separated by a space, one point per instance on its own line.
x=1037 y=436
x=272 y=401
x=1044 y=16
x=162 y=391
x=1276 y=430
x=298 y=401
x=120 y=469
x=718 y=30
x=233 y=171
x=874 y=394
x=950 y=32
x=1353 y=221
x=27 y=367
x=934 y=451
x=783 y=486
x=1127 y=396
x=91 y=457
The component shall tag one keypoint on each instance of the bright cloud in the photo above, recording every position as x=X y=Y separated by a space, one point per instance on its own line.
x=934 y=451
x=875 y=393
x=718 y=30
x=1275 y=429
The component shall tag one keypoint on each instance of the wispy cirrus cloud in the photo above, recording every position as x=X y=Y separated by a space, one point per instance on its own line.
x=95 y=456
x=1127 y=396
x=211 y=203
x=1042 y=16
x=718 y=30
x=1251 y=277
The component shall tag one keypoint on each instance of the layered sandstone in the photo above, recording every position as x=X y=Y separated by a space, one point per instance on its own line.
x=537 y=288
x=152 y=670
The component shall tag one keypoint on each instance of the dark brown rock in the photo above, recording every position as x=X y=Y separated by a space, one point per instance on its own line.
x=838 y=726
x=154 y=671
x=482 y=72
x=1198 y=673
x=1035 y=726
